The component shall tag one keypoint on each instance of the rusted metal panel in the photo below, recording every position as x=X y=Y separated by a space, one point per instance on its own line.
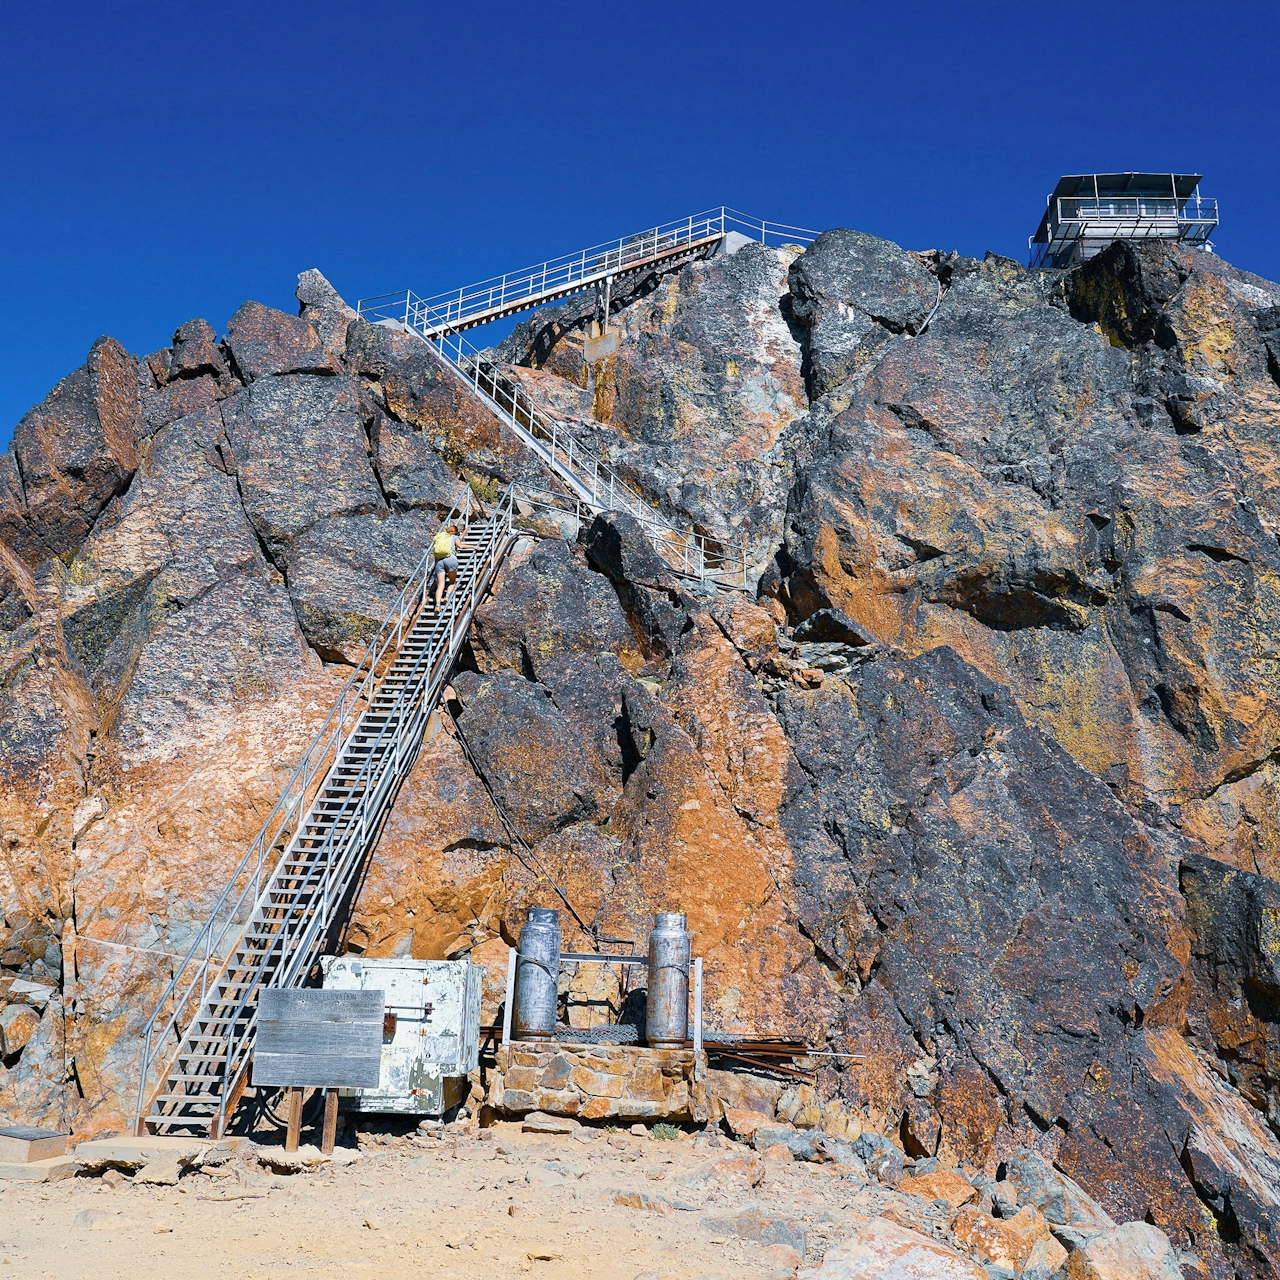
x=431 y=1035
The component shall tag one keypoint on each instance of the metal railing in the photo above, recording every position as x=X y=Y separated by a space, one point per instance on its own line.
x=687 y=555
x=388 y=754
x=1191 y=219
x=488 y=300
x=1193 y=209
x=593 y=485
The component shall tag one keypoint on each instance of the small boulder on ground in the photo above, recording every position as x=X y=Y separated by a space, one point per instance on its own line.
x=745 y=1169
x=1132 y=1251
x=642 y=1200
x=763 y=1228
x=162 y=1171
x=540 y=1122
x=743 y=1123
x=941 y=1184
x=882 y=1159
x=883 y=1248
x=804 y=1144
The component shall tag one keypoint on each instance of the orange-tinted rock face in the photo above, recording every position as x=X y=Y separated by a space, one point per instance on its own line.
x=946 y=797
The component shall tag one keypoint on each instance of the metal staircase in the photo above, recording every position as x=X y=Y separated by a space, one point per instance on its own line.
x=294 y=885
x=591 y=485
x=290 y=894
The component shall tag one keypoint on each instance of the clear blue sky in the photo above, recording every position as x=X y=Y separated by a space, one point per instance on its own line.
x=165 y=161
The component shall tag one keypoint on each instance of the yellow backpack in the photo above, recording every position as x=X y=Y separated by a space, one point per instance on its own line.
x=442 y=546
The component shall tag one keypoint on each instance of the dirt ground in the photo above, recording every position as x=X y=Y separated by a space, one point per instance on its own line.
x=492 y=1203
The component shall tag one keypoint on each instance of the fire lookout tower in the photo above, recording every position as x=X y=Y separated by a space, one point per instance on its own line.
x=1086 y=212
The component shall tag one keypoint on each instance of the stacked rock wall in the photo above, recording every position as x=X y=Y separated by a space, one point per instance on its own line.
x=599 y=1082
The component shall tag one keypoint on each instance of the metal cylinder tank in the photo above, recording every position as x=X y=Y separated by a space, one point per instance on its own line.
x=666 y=1018
x=537 y=976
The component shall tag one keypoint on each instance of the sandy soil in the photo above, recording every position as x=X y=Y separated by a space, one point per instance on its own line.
x=494 y=1204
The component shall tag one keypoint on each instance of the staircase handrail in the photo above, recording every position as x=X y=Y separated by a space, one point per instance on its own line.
x=683 y=555
x=595 y=484
x=571 y=273
x=307 y=776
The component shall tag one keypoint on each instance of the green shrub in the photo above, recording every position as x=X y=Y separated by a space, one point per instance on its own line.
x=667 y=1132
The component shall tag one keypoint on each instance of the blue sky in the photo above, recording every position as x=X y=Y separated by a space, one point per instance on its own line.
x=167 y=161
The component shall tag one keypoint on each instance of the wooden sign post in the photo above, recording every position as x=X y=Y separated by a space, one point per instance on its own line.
x=310 y=1039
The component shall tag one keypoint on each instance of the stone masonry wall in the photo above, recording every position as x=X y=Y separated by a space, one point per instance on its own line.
x=600 y=1082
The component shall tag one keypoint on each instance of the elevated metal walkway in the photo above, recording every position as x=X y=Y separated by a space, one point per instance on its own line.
x=489 y=300
x=296 y=882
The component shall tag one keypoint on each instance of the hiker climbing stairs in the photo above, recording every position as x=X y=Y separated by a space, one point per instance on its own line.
x=297 y=879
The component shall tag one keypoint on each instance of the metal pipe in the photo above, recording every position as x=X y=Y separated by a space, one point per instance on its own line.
x=537 y=976
x=666 y=1018
x=510 y=997
x=697 y=1005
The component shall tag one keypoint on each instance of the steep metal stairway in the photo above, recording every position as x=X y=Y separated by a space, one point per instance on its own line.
x=591 y=485
x=488 y=300
x=294 y=886
x=295 y=883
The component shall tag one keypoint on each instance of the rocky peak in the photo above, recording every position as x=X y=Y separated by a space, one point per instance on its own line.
x=981 y=777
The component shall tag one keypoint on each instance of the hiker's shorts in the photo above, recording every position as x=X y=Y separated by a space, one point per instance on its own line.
x=448 y=565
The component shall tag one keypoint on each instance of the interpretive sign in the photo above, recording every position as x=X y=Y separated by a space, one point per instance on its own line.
x=319 y=1039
